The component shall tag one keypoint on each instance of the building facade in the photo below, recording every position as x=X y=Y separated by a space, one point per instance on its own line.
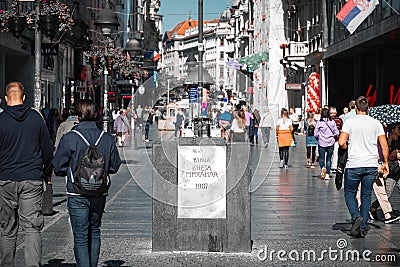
x=349 y=65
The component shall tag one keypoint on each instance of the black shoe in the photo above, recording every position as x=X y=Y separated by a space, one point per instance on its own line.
x=361 y=234
x=355 y=228
x=392 y=219
x=373 y=215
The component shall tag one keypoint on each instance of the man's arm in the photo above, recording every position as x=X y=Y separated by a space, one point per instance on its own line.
x=343 y=137
x=385 y=153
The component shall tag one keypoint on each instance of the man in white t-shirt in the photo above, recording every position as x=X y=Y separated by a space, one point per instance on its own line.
x=363 y=134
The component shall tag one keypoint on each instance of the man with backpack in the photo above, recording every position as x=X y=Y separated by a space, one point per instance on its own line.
x=86 y=156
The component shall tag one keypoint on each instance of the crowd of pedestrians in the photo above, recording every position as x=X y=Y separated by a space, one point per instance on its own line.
x=26 y=161
x=36 y=144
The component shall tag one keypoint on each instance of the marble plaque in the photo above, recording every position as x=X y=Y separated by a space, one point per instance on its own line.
x=202 y=182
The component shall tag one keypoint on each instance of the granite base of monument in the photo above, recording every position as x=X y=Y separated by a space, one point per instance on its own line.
x=181 y=177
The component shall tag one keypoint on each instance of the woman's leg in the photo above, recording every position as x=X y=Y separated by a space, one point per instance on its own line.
x=313 y=148
x=321 y=152
x=286 y=152
x=309 y=154
x=256 y=134
x=382 y=197
x=281 y=153
x=96 y=213
x=329 y=152
x=78 y=209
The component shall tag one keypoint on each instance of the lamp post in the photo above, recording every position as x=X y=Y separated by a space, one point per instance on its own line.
x=134 y=48
x=107 y=22
x=201 y=51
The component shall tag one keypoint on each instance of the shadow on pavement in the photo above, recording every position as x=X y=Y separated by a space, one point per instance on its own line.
x=58 y=263
x=114 y=263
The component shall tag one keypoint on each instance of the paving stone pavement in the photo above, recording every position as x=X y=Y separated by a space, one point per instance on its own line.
x=292 y=211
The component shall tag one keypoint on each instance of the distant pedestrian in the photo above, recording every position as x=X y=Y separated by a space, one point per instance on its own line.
x=311 y=141
x=345 y=111
x=284 y=129
x=296 y=123
x=325 y=132
x=24 y=162
x=339 y=124
x=254 y=126
x=66 y=127
x=115 y=113
x=352 y=113
x=179 y=121
x=238 y=127
x=266 y=125
x=317 y=114
x=249 y=117
x=363 y=134
x=121 y=126
x=85 y=212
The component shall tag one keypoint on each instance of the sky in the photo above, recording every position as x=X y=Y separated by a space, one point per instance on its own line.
x=175 y=11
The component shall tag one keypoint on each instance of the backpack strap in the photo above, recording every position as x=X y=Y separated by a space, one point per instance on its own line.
x=81 y=135
x=98 y=139
x=86 y=141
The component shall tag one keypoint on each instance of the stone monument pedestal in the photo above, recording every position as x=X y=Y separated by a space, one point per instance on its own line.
x=191 y=172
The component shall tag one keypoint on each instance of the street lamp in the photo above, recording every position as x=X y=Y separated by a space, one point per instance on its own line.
x=107 y=22
x=134 y=49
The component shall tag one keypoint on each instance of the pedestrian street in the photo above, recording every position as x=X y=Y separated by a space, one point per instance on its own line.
x=291 y=210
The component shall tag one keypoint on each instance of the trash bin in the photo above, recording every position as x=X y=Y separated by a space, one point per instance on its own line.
x=202 y=127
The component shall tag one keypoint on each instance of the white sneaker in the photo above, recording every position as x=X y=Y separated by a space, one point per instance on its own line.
x=281 y=164
x=327 y=177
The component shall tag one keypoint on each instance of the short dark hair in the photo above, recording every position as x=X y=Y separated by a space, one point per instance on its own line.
x=86 y=110
x=362 y=103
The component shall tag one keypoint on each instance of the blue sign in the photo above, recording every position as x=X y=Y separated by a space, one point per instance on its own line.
x=193 y=95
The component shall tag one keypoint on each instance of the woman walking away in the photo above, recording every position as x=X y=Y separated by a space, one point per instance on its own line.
x=311 y=141
x=326 y=132
x=86 y=211
x=284 y=129
x=266 y=125
x=238 y=127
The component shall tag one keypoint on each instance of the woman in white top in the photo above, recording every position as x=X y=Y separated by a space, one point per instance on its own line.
x=238 y=127
x=284 y=129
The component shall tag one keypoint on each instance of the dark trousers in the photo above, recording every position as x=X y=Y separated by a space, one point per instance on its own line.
x=284 y=154
x=311 y=153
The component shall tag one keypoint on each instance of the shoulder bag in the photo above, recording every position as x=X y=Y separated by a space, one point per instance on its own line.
x=334 y=136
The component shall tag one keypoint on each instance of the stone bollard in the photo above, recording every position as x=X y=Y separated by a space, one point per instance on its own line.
x=221 y=225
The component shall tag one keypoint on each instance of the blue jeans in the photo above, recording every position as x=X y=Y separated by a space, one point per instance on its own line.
x=325 y=152
x=85 y=215
x=352 y=179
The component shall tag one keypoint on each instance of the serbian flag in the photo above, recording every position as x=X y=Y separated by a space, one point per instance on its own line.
x=354 y=12
x=156 y=56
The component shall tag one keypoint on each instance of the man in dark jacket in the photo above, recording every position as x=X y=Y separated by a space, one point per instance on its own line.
x=25 y=156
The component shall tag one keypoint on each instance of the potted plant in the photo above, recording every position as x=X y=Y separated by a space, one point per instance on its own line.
x=13 y=20
x=54 y=17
